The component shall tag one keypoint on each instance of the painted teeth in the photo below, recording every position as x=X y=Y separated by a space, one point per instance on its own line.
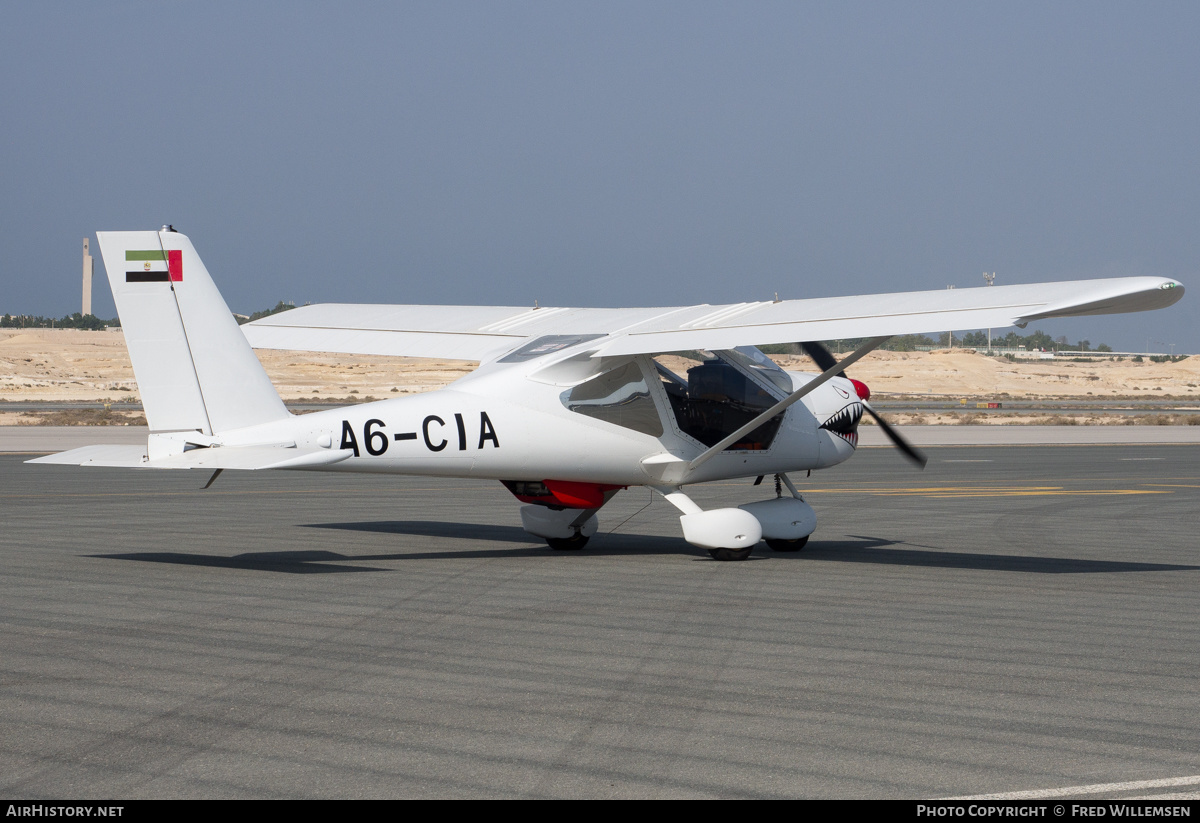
x=845 y=423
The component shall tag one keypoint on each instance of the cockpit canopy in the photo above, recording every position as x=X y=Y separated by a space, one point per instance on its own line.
x=708 y=395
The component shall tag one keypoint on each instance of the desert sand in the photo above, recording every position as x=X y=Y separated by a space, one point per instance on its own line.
x=67 y=365
x=966 y=373
x=63 y=365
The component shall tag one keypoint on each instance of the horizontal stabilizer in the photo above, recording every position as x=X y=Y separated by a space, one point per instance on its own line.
x=246 y=458
x=251 y=458
x=119 y=457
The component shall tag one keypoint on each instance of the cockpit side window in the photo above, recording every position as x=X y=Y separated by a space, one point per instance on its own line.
x=716 y=398
x=619 y=396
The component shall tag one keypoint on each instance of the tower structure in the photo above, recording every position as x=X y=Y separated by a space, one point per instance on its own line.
x=990 y=279
x=88 y=267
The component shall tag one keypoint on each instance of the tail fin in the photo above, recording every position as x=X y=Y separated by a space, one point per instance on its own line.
x=194 y=368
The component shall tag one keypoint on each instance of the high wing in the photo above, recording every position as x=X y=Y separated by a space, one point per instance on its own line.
x=484 y=333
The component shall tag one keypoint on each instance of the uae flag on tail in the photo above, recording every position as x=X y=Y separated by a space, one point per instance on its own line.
x=153 y=266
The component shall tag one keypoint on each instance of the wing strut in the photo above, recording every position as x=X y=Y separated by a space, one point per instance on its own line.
x=825 y=376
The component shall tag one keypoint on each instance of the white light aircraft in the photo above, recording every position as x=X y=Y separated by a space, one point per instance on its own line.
x=567 y=407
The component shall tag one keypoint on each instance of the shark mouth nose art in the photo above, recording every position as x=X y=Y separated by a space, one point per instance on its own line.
x=845 y=423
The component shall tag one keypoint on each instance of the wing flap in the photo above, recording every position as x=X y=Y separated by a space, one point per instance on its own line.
x=396 y=343
x=479 y=333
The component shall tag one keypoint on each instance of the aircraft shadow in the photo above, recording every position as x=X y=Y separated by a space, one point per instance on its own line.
x=435 y=528
x=327 y=562
x=861 y=549
x=882 y=551
x=602 y=545
x=297 y=562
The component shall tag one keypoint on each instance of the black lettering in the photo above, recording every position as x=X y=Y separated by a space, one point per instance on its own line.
x=405 y=435
x=486 y=432
x=433 y=418
x=349 y=441
x=462 y=433
x=369 y=437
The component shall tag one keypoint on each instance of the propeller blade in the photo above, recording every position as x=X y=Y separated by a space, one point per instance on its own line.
x=897 y=440
x=820 y=355
x=824 y=360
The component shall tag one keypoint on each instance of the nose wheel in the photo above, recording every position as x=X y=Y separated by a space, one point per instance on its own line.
x=786 y=545
x=729 y=554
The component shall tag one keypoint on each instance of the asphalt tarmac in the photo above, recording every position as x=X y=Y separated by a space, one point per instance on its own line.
x=1012 y=619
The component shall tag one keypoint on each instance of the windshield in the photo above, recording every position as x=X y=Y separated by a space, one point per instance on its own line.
x=759 y=364
x=711 y=397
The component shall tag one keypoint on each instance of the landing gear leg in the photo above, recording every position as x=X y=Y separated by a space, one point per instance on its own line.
x=788 y=545
x=791 y=487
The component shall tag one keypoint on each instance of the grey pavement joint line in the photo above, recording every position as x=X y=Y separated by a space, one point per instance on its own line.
x=1095 y=788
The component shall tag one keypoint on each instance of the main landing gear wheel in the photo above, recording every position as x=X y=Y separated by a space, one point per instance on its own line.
x=730 y=554
x=787 y=545
x=567 y=544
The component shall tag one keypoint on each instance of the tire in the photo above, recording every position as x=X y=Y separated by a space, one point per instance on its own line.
x=567 y=544
x=730 y=554
x=787 y=545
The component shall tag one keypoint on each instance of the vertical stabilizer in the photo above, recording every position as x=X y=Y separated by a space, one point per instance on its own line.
x=194 y=368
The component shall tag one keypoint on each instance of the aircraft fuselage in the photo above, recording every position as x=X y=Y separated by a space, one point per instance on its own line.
x=494 y=427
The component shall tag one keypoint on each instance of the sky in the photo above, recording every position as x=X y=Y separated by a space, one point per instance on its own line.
x=610 y=153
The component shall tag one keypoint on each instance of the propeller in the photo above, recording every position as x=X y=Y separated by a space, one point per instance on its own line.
x=825 y=361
